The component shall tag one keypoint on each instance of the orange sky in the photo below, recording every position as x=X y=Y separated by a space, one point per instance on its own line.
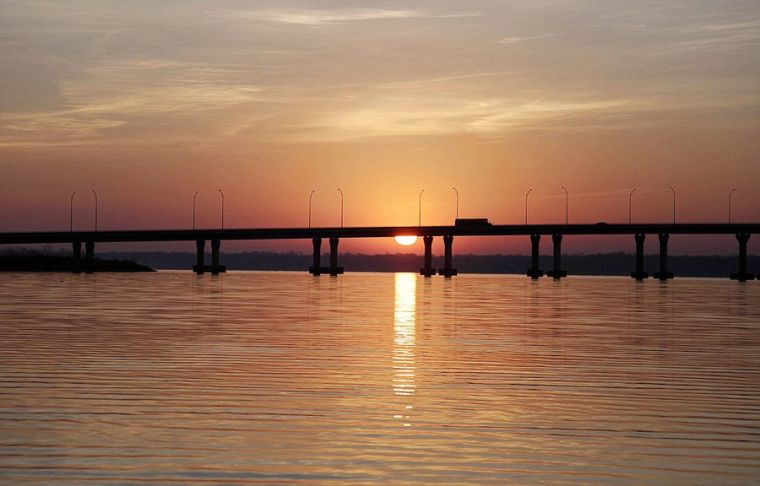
x=147 y=104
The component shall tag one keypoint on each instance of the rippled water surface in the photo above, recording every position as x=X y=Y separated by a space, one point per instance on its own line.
x=283 y=377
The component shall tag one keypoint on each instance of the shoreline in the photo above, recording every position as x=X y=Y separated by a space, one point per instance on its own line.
x=45 y=263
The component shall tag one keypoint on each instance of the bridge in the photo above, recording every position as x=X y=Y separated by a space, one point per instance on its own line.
x=741 y=231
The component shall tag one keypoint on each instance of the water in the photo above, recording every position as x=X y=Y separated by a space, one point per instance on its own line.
x=283 y=377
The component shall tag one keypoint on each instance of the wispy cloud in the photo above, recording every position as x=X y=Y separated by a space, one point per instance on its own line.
x=319 y=17
x=322 y=17
x=115 y=71
x=515 y=40
x=173 y=87
x=510 y=114
x=60 y=123
x=712 y=37
x=113 y=94
x=432 y=116
x=418 y=83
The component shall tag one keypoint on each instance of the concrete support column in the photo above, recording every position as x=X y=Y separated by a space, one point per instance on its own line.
x=89 y=257
x=639 y=273
x=557 y=271
x=663 y=274
x=448 y=245
x=215 y=267
x=427 y=269
x=316 y=265
x=76 y=248
x=534 y=271
x=742 y=274
x=200 y=251
x=334 y=268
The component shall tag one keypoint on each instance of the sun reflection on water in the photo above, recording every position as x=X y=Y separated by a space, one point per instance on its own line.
x=404 y=328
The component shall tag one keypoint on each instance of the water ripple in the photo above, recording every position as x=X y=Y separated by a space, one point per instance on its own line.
x=283 y=377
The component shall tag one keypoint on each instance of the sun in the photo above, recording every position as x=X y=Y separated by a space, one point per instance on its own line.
x=406 y=240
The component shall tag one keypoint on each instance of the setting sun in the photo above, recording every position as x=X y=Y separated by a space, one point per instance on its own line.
x=406 y=240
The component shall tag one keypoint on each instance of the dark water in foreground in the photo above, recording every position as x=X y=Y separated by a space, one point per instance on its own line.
x=283 y=377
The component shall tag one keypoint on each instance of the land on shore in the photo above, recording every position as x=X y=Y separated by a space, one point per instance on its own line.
x=26 y=261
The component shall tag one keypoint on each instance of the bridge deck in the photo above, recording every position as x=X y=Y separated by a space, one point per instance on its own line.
x=372 y=232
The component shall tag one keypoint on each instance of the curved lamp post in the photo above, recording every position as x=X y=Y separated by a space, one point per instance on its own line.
x=630 y=199
x=71 y=212
x=96 y=208
x=566 y=205
x=419 y=209
x=674 y=203
x=341 y=207
x=222 y=194
x=310 y=196
x=194 y=197
x=730 y=194
x=526 y=205
x=455 y=190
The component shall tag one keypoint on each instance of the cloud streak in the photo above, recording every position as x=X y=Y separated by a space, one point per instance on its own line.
x=515 y=40
x=94 y=71
x=715 y=38
x=328 y=17
x=410 y=116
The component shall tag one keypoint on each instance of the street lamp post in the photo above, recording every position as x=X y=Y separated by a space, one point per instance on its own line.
x=71 y=212
x=566 y=204
x=341 y=207
x=630 y=199
x=222 y=194
x=526 y=205
x=96 y=209
x=457 y=192
x=730 y=194
x=419 y=209
x=310 y=196
x=194 y=197
x=674 y=203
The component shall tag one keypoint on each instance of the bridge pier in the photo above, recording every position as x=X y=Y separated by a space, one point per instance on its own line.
x=448 y=270
x=663 y=274
x=428 y=270
x=534 y=272
x=334 y=268
x=557 y=272
x=89 y=257
x=216 y=269
x=200 y=251
x=639 y=273
x=742 y=275
x=316 y=265
x=76 y=251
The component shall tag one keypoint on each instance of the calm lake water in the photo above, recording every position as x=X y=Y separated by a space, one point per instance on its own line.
x=283 y=377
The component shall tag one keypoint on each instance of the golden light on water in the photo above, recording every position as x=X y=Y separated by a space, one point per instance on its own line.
x=404 y=330
x=406 y=240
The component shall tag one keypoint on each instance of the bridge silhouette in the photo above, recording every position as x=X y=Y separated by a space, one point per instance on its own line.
x=742 y=232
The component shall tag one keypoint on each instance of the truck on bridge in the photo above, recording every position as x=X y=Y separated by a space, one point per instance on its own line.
x=470 y=222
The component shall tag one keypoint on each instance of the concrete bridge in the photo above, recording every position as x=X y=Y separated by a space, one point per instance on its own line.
x=639 y=232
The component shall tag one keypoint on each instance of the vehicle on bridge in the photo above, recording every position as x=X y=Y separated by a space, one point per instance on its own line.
x=469 y=222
